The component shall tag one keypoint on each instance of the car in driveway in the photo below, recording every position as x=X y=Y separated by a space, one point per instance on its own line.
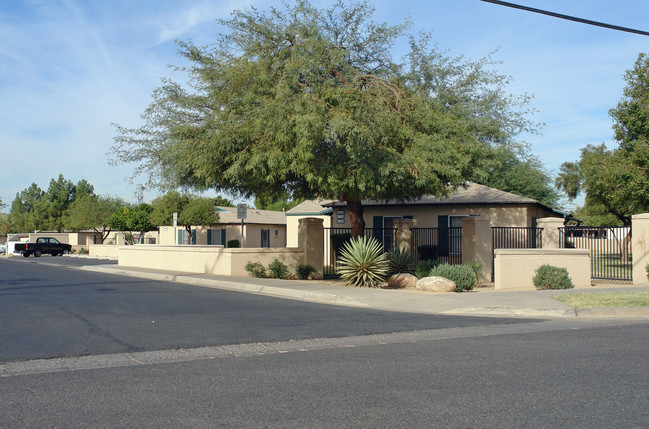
x=3 y=248
x=43 y=245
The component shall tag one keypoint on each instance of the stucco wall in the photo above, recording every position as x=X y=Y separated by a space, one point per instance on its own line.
x=205 y=259
x=104 y=250
x=514 y=268
x=292 y=227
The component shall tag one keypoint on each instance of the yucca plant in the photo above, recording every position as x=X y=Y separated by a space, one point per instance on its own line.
x=401 y=260
x=363 y=263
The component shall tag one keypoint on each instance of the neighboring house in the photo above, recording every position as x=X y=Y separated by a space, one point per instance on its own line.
x=502 y=208
x=261 y=228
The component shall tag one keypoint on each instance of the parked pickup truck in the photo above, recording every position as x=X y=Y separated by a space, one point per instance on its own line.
x=48 y=245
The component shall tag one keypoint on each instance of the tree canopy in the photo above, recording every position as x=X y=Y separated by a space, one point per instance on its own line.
x=92 y=212
x=615 y=181
x=192 y=211
x=133 y=219
x=309 y=103
x=35 y=209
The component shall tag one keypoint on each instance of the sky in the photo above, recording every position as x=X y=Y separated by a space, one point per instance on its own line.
x=71 y=68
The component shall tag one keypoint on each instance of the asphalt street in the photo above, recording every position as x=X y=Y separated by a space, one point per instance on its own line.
x=50 y=311
x=88 y=349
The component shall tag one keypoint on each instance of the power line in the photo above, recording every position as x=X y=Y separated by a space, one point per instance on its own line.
x=567 y=17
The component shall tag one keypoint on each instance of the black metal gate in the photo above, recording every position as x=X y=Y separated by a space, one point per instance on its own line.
x=610 y=249
x=437 y=244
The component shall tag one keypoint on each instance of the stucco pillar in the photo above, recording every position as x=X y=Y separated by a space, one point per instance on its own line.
x=477 y=244
x=310 y=237
x=551 y=233
x=403 y=238
x=640 y=247
x=119 y=239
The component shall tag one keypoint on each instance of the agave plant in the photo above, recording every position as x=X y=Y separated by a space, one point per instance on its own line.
x=363 y=263
x=401 y=260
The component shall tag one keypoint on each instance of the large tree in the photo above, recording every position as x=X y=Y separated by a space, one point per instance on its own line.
x=310 y=103
x=34 y=209
x=133 y=219
x=92 y=212
x=617 y=179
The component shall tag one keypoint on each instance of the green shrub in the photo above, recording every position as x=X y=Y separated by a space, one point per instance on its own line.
x=232 y=244
x=646 y=268
x=278 y=270
x=462 y=275
x=424 y=267
x=304 y=271
x=401 y=261
x=427 y=252
x=83 y=251
x=363 y=263
x=551 y=277
x=256 y=269
x=475 y=266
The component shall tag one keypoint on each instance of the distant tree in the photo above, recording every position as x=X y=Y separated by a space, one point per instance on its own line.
x=22 y=216
x=132 y=219
x=222 y=202
x=34 y=209
x=282 y=204
x=617 y=179
x=92 y=212
x=517 y=171
x=310 y=103
x=198 y=212
x=192 y=211
x=165 y=206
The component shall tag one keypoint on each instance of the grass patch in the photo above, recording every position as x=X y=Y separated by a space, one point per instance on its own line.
x=605 y=299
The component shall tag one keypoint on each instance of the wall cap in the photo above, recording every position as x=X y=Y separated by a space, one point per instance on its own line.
x=540 y=252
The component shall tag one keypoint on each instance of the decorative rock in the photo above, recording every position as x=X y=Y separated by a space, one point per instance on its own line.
x=436 y=284
x=402 y=280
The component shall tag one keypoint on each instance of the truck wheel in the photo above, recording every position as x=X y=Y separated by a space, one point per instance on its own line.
x=26 y=255
x=37 y=253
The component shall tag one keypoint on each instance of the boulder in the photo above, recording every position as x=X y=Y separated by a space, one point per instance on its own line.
x=436 y=284
x=402 y=280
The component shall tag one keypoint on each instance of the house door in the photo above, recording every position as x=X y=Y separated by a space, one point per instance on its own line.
x=265 y=238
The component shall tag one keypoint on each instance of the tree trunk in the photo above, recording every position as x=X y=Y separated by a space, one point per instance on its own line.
x=356 y=217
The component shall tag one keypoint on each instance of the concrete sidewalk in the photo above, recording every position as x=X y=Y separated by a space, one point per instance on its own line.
x=482 y=301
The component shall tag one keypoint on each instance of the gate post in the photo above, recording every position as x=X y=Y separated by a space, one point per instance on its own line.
x=551 y=232
x=310 y=238
x=640 y=247
x=477 y=244
x=404 y=233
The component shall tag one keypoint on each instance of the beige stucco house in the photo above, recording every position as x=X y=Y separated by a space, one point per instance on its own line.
x=502 y=208
x=261 y=229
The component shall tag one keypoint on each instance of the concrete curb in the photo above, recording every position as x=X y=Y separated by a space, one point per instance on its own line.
x=329 y=298
x=513 y=311
x=298 y=294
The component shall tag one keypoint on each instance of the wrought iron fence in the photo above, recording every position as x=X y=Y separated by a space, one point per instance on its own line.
x=610 y=249
x=335 y=239
x=437 y=244
x=515 y=237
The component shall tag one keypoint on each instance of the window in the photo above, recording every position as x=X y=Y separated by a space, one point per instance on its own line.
x=340 y=216
x=216 y=237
